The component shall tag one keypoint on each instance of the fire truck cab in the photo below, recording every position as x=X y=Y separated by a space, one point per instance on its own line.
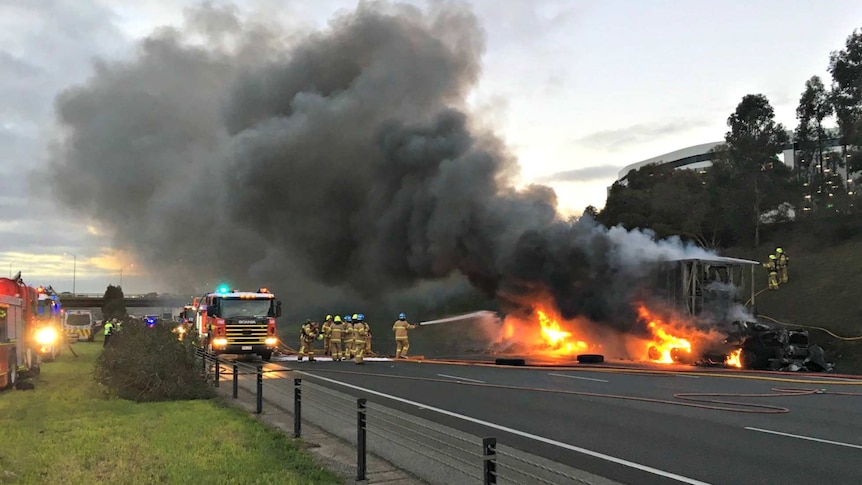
x=238 y=322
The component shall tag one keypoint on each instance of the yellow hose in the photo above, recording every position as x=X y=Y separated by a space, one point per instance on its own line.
x=839 y=337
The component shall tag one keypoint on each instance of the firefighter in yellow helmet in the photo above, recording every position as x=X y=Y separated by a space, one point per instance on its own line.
x=335 y=333
x=306 y=341
x=772 y=267
x=402 y=343
x=324 y=330
x=360 y=332
x=781 y=259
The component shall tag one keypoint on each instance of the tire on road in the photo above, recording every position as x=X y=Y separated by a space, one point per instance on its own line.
x=505 y=361
x=266 y=356
x=591 y=358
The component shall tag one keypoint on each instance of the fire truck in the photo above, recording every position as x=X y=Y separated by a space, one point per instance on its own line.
x=238 y=322
x=19 y=339
x=48 y=323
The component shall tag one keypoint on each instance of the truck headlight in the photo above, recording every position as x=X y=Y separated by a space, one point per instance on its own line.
x=270 y=341
x=219 y=342
x=46 y=336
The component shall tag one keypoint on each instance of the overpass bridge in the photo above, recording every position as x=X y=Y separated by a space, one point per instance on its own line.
x=80 y=300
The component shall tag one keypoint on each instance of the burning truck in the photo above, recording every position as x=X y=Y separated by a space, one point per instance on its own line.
x=683 y=311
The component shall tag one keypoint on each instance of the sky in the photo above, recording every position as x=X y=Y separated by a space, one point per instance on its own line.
x=576 y=89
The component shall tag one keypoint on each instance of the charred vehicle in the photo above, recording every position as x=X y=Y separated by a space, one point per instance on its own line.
x=766 y=347
x=709 y=292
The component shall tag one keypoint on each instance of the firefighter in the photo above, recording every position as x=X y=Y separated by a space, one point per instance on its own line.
x=402 y=344
x=306 y=336
x=109 y=329
x=772 y=267
x=360 y=331
x=347 y=337
x=336 y=329
x=782 y=260
x=367 y=334
x=325 y=332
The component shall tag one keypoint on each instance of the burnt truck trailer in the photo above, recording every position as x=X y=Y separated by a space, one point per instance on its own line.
x=719 y=293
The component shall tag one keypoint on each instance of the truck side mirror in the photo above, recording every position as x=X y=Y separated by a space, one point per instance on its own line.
x=277 y=308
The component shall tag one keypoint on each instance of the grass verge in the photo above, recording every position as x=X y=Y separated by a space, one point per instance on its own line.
x=65 y=431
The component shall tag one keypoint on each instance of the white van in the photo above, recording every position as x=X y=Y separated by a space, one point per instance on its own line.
x=79 y=325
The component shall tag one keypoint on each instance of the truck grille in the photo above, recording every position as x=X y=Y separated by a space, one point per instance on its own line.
x=246 y=334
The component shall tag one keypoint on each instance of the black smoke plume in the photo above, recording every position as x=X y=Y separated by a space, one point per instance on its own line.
x=338 y=166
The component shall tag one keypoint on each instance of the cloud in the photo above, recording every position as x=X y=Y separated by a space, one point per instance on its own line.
x=585 y=174
x=619 y=138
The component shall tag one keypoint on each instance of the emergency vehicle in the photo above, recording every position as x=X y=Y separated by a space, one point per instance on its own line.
x=18 y=303
x=79 y=325
x=238 y=322
x=48 y=324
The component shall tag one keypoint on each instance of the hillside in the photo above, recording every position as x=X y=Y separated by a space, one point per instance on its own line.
x=825 y=281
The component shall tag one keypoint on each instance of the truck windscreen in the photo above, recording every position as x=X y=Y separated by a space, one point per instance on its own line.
x=73 y=319
x=230 y=308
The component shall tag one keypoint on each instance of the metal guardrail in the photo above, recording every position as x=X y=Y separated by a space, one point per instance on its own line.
x=436 y=453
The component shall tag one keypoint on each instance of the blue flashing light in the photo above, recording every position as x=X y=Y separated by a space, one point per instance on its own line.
x=223 y=289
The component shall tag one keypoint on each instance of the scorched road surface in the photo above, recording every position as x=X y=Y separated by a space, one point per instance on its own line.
x=626 y=424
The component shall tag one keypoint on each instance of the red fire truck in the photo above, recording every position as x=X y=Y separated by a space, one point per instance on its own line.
x=18 y=338
x=238 y=322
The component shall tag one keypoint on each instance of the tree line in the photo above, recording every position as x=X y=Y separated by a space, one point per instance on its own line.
x=747 y=185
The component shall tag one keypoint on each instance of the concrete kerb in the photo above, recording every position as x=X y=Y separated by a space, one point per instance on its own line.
x=330 y=451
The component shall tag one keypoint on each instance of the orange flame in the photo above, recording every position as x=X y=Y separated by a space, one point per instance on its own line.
x=734 y=359
x=557 y=338
x=663 y=346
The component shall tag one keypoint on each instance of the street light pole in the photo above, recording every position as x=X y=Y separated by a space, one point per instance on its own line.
x=10 y=268
x=74 y=270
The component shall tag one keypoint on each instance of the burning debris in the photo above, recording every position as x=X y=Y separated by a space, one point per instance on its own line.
x=696 y=319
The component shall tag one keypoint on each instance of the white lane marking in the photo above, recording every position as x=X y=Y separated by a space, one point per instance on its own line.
x=461 y=378
x=830 y=442
x=577 y=377
x=524 y=434
x=690 y=377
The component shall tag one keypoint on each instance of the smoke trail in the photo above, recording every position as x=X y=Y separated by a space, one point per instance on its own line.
x=339 y=165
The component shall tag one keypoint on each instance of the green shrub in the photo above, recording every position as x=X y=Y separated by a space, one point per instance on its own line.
x=142 y=363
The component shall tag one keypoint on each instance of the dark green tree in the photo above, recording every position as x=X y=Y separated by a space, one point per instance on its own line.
x=846 y=69
x=113 y=305
x=661 y=198
x=751 y=146
x=591 y=212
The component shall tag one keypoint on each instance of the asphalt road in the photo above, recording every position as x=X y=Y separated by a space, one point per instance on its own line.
x=601 y=420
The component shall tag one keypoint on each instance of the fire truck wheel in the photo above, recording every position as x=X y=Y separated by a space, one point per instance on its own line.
x=12 y=376
x=591 y=358
x=267 y=356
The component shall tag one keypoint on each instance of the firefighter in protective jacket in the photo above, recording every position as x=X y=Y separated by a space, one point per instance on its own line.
x=781 y=261
x=335 y=334
x=324 y=330
x=347 y=337
x=360 y=332
x=772 y=267
x=306 y=337
x=402 y=343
